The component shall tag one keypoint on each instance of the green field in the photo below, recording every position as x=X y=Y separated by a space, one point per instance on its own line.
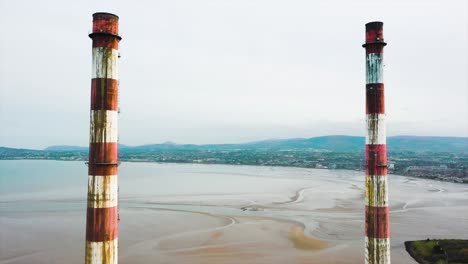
x=444 y=251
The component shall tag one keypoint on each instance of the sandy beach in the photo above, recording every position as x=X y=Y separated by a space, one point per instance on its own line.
x=172 y=213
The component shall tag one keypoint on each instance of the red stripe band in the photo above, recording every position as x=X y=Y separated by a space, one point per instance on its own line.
x=375 y=99
x=103 y=159
x=104 y=94
x=107 y=41
x=374 y=38
x=106 y=23
x=374 y=32
x=103 y=153
x=377 y=222
x=374 y=48
x=376 y=159
x=374 y=35
x=102 y=170
x=101 y=224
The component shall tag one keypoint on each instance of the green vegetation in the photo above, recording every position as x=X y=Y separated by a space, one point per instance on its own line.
x=427 y=157
x=444 y=251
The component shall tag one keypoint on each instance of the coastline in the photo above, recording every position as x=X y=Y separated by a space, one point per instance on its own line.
x=455 y=180
x=196 y=213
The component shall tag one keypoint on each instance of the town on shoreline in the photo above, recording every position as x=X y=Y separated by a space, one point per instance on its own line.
x=442 y=166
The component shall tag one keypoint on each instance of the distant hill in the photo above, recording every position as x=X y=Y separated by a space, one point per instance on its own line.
x=66 y=148
x=328 y=143
x=6 y=150
x=337 y=143
x=74 y=148
x=432 y=144
x=332 y=143
x=13 y=152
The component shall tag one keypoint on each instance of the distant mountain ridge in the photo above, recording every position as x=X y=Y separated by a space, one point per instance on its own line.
x=433 y=144
x=66 y=148
x=337 y=143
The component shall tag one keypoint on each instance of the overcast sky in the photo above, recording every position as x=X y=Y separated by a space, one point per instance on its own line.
x=232 y=71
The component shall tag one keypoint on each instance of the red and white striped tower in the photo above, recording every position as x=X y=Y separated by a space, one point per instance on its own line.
x=377 y=244
x=102 y=213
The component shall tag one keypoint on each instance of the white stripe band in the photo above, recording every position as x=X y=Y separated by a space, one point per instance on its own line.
x=376 y=191
x=102 y=191
x=105 y=63
x=377 y=250
x=104 y=126
x=376 y=129
x=374 y=68
x=102 y=252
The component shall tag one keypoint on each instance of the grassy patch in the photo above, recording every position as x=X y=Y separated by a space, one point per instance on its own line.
x=444 y=251
x=424 y=248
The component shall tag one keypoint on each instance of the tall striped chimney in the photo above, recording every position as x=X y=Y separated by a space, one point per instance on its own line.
x=377 y=240
x=102 y=212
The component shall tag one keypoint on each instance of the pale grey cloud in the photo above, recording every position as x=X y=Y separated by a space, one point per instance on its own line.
x=232 y=71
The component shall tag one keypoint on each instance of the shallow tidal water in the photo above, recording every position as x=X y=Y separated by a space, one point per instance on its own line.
x=191 y=213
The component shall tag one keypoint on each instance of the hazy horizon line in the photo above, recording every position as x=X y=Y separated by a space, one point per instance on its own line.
x=239 y=143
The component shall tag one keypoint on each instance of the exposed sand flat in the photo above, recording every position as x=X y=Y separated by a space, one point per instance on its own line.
x=250 y=239
x=177 y=214
x=303 y=242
